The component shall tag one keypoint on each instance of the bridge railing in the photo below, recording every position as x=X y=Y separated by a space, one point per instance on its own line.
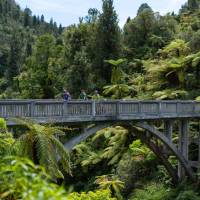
x=106 y=108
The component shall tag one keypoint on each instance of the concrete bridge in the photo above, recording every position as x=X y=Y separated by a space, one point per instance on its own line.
x=96 y=115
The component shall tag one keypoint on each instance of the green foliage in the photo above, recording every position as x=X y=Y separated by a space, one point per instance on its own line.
x=193 y=4
x=113 y=142
x=117 y=73
x=107 y=39
x=6 y=140
x=163 y=176
x=98 y=195
x=154 y=191
x=140 y=151
x=176 y=48
x=116 y=63
x=112 y=183
x=3 y=126
x=41 y=145
x=40 y=76
x=170 y=94
x=18 y=30
x=6 y=143
x=143 y=35
x=77 y=44
x=116 y=141
x=174 y=74
x=188 y=195
x=117 y=91
x=21 y=179
x=143 y=7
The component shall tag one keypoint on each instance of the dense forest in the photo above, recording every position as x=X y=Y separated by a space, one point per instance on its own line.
x=152 y=57
x=158 y=56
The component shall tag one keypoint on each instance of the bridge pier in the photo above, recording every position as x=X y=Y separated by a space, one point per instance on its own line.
x=168 y=128
x=183 y=144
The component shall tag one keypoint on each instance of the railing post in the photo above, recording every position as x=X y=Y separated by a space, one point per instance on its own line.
x=93 y=108
x=160 y=108
x=194 y=107
x=177 y=108
x=32 y=108
x=64 y=108
x=139 y=107
x=117 y=109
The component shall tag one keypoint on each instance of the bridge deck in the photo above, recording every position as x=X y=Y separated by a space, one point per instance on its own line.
x=86 y=111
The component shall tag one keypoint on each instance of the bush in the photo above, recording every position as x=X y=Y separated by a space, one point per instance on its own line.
x=98 y=195
x=3 y=127
x=188 y=195
x=154 y=191
x=6 y=139
x=21 y=179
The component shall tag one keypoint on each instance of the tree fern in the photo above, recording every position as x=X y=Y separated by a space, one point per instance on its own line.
x=110 y=182
x=40 y=144
x=112 y=144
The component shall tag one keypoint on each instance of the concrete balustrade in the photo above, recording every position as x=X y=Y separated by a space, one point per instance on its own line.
x=78 y=111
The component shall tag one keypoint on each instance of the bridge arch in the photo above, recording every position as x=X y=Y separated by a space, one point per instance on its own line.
x=87 y=132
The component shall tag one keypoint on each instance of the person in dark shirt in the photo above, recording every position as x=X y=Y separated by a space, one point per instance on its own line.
x=66 y=95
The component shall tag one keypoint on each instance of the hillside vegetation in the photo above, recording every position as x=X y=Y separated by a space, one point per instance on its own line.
x=160 y=54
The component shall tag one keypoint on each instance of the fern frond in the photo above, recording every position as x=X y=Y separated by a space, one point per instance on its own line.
x=42 y=145
x=63 y=153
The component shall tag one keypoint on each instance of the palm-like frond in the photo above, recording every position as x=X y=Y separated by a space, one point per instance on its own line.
x=169 y=94
x=6 y=142
x=140 y=151
x=117 y=91
x=110 y=182
x=113 y=142
x=116 y=62
x=92 y=159
x=40 y=144
x=116 y=145
x=23 y=146
x=63 y=153
x=29 y=124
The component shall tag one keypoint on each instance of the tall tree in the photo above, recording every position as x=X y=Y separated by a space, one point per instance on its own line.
x=14 y=60
x=43 y=70
x=107 y=41
x=42 y=19
x=76 y=39
x=193 y=4
x=27 y=17
x=92 y=16
x=138 y=31
x=143 y=7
